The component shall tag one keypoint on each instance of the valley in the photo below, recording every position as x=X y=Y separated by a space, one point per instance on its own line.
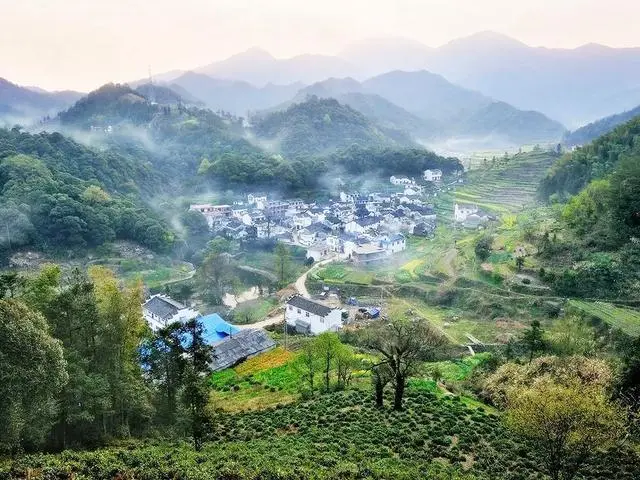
x=325 y=267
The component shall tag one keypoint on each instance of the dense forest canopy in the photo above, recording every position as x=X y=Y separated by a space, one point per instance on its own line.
x=595 y=160
x=321 y=126
x=597 y=248
x=55 y=193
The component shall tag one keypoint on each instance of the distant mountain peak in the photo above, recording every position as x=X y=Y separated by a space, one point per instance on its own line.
x=254 y=53
x=485 y=39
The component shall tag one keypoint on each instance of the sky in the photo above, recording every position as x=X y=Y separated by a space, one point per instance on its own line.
x=82 y=44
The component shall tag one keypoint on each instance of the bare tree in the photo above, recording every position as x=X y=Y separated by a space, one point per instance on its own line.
x=404 y=346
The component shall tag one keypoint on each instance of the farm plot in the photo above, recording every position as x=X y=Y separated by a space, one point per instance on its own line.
x=507 y=185
x=626 y=320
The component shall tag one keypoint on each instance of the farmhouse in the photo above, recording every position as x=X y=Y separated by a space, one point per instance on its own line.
x=400 y=181
x=433 y=175
x=307 y=316
x=212 y=212
x=161 y=310
x=369 y=252
x=362 y=225
x=461 y=211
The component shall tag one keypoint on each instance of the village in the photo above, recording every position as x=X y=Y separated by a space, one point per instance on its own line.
x=360 y=228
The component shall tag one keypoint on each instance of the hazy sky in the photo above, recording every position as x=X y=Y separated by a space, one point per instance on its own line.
x=81 y=44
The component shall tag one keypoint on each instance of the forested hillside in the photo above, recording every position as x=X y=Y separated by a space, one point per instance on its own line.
x=595 y=160
x=320 y=126
x=55 y=193
x=595 y=237
x=600 y=127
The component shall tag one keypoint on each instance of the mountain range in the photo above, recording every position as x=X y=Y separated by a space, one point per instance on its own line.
x=18 y=103
x=429 y=107
x=574 y=86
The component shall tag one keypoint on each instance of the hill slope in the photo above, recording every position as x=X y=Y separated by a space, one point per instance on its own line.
x=503 y=120
x=320 y=126
x=234 y=96
x=58 y=194
x=25 y=104
x=600 y=127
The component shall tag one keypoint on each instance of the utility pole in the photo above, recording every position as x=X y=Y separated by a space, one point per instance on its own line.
x=284 y=327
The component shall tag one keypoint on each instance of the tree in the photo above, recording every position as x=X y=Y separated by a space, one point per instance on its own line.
x=345 y=362
x=566 y=423
x=483 y=247
x=164 y=358
x=33 y=373
x=519 y=262
x=283 y=260
x=381 y=375
x=120 y=312
x=327 y=346
x=214 y=277
x=308 y=364
x=404 y=345
x=533 y=338
x=195 y=395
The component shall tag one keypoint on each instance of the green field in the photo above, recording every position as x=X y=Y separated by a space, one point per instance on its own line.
x=626 y=320
x=506 y=185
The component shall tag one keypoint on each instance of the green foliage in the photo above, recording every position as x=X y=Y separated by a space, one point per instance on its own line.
x=483 y=247
x=320 y=126
x=339 y=435
x=32 y=375
x=593 y=161
x=55 y=192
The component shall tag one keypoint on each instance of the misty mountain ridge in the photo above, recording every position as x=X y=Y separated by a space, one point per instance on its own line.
x=554 y=81
x=26 y=104
x=237 y=97
x=594 y=130
x=428 y=107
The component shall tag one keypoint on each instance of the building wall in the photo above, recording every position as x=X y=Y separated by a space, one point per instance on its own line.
x=331 y=323
x=157 y=323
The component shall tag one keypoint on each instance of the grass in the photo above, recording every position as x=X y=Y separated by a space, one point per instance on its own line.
x=626 y=320
x=341 y=273
x=260 y=382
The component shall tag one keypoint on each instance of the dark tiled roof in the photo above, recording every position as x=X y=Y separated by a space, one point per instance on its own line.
x=239 y=347
x=367 y=221
x=309 y=306
x=163 y=307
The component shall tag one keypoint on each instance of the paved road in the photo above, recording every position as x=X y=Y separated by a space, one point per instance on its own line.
x=300 y=287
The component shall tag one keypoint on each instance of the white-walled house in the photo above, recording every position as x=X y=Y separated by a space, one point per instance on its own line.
x=433 y=175
x=394 y=243
x=161 y=310
x=307 y=316
x=362 y=225
x=461 y=211
x=400 y=180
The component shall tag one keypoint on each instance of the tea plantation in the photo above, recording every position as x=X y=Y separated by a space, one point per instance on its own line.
x=338 y=435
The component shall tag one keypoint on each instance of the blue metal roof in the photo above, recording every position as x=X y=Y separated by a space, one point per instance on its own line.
x=216 y=328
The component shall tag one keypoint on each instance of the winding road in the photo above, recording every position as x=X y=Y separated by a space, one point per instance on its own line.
x=300 y=287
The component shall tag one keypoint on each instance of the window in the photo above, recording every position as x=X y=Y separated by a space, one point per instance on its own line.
x=299 y=311
x=307 y=314
x=290 y=307
x=321 y=319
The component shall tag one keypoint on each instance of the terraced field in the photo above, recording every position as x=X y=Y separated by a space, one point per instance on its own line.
x=507 y=185
x=625 y=319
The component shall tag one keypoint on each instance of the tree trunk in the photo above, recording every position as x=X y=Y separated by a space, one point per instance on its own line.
x=379 y=388
x=399 y=393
